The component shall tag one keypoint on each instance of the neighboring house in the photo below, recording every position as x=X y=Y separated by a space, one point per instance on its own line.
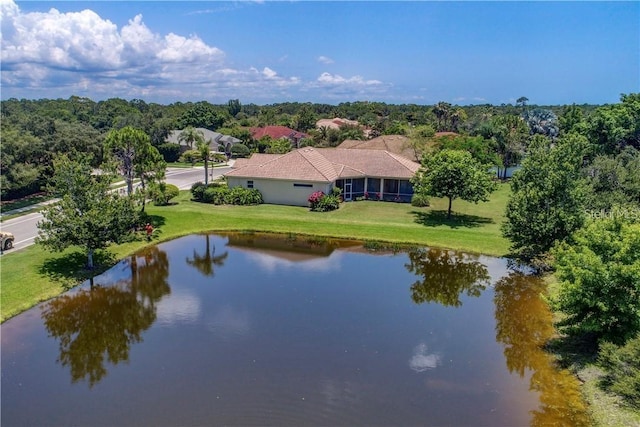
x=289 y=179
x=337 y=123
x=217 y=140
x=397 y=144
x=278 y=132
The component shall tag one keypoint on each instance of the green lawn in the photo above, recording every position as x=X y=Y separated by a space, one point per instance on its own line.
x=32 y=275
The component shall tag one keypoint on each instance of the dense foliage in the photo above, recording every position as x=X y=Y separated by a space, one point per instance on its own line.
x=219 y=194
x=33 y=131
x=88 y=214
x=613 y=180
x=454 y=174
x=547 y=197
x=600 y=280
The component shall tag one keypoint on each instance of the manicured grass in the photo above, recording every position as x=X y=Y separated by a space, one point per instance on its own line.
x=32 y=275
x=473 y=228
x=9 y=205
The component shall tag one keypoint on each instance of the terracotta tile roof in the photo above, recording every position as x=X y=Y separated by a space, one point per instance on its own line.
x=276 y=132
x=325 y=165
x=373 y=163
x=304 y=164
x=398 y=144
x=336 y=123
x=256 y=158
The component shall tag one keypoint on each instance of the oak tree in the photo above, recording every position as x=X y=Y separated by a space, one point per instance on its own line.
x=454 y=174
x=88 y=214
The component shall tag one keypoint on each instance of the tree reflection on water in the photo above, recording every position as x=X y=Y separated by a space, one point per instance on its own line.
x=101 y=323
x=524 y=324
x=204 y=263
x=445 y=275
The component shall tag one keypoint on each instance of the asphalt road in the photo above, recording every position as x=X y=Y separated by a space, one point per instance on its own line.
x=25 y=229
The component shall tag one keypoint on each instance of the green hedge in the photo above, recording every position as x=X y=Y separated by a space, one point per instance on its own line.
x=220 y=194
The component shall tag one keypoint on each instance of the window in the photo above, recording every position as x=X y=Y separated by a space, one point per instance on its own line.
x=249 y=184
x=406 y=187
x=373 y=185
x=357 y=185
x=391 y=186
x=295 y=184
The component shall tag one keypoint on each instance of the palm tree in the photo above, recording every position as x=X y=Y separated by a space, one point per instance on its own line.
x=458 y=115
x=510 y=135
x=442 y=110
x=190 y=135
x=203 y=148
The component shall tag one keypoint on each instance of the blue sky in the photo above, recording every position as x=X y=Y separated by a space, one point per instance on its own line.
x=267 y=52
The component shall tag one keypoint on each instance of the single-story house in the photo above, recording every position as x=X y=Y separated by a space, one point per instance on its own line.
x=289 y=179
x=217 y=141
x=278 y=132
x=398 y=144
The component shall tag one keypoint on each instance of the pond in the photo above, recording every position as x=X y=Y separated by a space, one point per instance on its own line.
x=251 y=329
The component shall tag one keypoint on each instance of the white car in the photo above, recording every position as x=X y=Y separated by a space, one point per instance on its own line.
x=6 y=240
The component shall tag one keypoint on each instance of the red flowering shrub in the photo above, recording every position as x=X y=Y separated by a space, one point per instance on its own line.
x=315 y=198
x=320 y=202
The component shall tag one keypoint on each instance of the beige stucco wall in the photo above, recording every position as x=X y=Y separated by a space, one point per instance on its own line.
x=279 y=192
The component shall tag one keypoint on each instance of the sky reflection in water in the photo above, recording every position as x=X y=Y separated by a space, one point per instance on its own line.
x=250 y=330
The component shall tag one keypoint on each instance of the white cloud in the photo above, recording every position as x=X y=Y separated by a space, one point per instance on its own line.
x=80 y=52
x=86 y=43
x=270 y=263
x=421 y=360
x=180 y=49
x=335 y=79
x=269 y=73
x=180 y=307
x=229 y=322
x=464 y=99
x=55 y=54
x=325 y=60
x=78 y=40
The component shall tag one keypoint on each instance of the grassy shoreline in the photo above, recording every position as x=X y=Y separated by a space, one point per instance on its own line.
x=474 y=228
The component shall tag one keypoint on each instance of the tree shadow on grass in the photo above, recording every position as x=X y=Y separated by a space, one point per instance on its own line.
x=435 y=218
x=70 y=269
x=155 y=220
x=573 y=351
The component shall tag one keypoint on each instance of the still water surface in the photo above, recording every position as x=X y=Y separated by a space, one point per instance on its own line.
x=252 y=330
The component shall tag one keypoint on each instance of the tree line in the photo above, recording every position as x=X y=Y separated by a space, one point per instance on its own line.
x=34 y=130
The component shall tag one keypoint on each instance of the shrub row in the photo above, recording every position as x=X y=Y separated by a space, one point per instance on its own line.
x=219 y=194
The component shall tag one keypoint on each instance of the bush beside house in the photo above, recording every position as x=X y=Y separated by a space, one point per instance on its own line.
x=219 y=194
x=321 y=202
